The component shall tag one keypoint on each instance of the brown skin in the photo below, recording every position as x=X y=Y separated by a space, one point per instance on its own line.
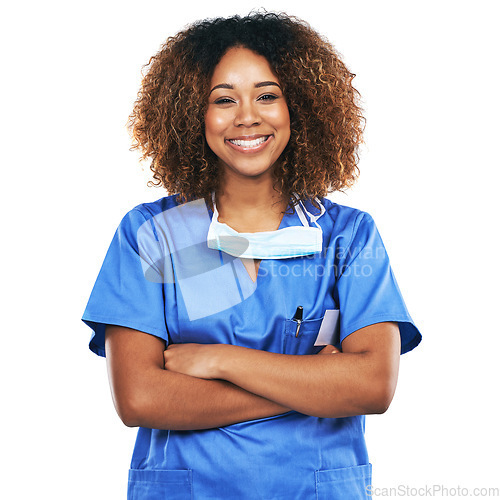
x=246 y=102
x=359 y=380
x=147 y=395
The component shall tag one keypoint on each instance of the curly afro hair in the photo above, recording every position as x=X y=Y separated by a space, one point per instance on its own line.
x=167 y=122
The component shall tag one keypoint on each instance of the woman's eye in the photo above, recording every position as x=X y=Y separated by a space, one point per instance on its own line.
x=268 y=97
x=223 y=100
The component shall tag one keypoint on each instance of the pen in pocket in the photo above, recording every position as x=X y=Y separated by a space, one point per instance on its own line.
x=298 y=318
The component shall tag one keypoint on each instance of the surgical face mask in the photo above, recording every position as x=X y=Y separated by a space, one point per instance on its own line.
x=293 y=241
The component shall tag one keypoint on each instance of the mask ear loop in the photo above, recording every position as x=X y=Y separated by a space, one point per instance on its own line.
x=302 y=216
x=313 y=218
x=299 y=210
x=216 y=213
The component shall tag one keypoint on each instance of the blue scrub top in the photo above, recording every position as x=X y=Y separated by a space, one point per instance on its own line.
x=160 y=277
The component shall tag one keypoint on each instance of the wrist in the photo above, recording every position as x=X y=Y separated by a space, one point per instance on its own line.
x=224 y=353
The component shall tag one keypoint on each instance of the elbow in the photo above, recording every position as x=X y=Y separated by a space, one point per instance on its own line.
x=133 y=400
x=129 y=410
x=129 y=418
x=382 y=386
x=378 y=407
x=380 y=398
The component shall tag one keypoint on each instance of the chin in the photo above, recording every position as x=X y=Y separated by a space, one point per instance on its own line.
x=250 y=171
x=253 y=173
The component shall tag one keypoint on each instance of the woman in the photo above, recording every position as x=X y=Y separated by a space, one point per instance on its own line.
x=213 y=303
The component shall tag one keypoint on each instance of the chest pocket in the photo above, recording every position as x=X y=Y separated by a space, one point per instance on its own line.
x=303 y=342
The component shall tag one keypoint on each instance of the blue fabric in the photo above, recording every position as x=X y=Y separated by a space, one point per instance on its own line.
x=160 y=277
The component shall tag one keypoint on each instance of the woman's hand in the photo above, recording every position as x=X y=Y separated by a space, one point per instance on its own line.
x=196 y=360
x=329 y=349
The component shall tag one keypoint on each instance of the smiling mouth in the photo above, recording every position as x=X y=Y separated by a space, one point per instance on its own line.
x=249 y=143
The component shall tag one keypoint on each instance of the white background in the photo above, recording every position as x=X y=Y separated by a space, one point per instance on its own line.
x=428 y=74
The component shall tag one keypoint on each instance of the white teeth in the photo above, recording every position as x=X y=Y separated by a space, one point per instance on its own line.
x=249 y=144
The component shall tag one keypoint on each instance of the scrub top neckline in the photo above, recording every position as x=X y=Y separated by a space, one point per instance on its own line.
x=288 y=219
x=280 y=226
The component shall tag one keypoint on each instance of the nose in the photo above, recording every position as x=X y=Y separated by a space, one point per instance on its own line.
x=247 y=114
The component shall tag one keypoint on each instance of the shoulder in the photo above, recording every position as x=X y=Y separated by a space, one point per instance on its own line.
x=147 y=211
x=337 y=211
x=166 y=217
x=153 y=208
x=351 y=231
x=137 y=217
x=343 y=219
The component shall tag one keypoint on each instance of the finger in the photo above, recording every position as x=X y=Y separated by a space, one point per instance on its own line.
x=329 y=349
x=326 y=349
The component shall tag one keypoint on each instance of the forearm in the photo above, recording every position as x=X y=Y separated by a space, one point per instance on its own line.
x=336 y=385
x=359 y=380
x=147 y=395
x=168 y=400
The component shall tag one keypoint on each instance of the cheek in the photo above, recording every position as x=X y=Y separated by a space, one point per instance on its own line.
x=281 y=119
x=282 y=122
x=208 y=124
x=215 y=124
x=283 y=125
x=286 y=118
x=215 y=127
x=209 y=130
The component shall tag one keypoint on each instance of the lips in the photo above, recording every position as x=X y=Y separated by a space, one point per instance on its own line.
x=249 y=143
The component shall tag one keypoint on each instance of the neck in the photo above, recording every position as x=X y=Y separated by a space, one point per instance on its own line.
x=249 y=195
x=250 y=204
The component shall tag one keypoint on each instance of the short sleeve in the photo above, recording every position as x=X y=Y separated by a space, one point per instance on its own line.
x=366 y=288
x=122 y=295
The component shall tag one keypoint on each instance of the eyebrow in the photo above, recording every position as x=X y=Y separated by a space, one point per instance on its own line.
x=257 y=85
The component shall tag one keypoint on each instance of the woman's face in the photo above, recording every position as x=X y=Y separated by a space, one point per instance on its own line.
x=247 y=124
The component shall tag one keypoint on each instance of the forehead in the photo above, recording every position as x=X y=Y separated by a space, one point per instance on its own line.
x=241 y=66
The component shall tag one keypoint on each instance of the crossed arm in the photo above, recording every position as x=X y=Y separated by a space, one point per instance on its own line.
x=195 y=386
